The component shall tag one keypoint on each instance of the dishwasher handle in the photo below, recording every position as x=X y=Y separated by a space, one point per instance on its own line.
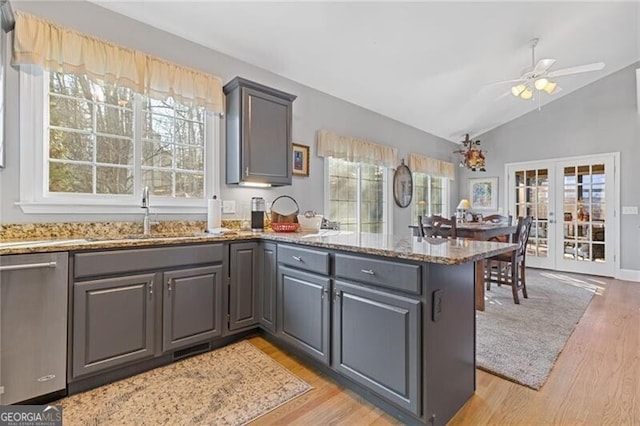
x=28 y=266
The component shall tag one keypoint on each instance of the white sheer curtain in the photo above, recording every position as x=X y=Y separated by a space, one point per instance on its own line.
x=355 y=149
x=432 y=167
x=37 y=41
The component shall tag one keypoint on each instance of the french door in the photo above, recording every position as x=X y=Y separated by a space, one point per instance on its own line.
x=572 y=202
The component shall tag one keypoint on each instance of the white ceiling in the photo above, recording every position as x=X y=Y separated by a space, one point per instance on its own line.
x=425 y=64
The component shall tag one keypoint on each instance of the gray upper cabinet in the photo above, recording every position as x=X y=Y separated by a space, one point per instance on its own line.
x=192 y=306
x=258 y=133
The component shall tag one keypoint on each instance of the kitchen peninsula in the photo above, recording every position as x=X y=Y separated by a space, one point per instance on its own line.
x=391 y=317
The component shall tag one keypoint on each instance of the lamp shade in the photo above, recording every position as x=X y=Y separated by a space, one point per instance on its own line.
x=464 y=204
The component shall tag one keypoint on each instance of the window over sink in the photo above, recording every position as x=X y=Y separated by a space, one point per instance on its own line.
x=102 y=143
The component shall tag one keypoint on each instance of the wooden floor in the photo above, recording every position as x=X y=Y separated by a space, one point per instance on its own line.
x=596 y=380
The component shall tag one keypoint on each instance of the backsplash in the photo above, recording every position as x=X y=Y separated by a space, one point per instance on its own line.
x=30 y=231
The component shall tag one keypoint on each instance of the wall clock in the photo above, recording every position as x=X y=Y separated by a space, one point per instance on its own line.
x=402 y=185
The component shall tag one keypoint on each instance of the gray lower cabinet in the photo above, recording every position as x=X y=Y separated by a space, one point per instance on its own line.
x=243 y=285
x=304 y=310
x=376 y=342
x=267 y=286
x=113 y=321
x=192 y=306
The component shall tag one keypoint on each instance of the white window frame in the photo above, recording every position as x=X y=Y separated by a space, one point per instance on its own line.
x=445 y=198
x=387 y=211
x=34 y=195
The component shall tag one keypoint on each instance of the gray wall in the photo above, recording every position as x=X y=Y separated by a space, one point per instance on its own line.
x=313 y=110
x=599 y=118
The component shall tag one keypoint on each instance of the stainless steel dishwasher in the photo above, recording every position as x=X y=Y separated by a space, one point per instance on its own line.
x=33 y=325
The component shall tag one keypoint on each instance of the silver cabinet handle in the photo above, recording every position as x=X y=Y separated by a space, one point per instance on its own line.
x=367 y=271
x=28 y=266
x=150 y=287
x=246 y=172
x=169 y=285
x=297 y=258
x=325 y=291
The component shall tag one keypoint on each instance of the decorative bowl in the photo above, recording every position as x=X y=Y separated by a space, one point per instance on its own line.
x=310 y=223
x=285 y=227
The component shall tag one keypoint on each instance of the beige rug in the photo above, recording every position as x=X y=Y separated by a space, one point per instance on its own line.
x=229 y=386
x=522 y=342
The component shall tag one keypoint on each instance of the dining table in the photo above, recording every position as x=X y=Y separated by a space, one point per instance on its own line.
x=483 y=231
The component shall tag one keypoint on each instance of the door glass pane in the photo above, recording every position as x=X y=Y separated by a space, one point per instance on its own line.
x=584 y=214
x=532 y=199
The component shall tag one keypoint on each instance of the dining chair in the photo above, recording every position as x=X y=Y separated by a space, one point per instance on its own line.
x=499 y=219
x=437 y=226
x=509 y=268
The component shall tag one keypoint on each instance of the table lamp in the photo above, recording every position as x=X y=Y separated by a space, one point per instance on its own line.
x=462 y=208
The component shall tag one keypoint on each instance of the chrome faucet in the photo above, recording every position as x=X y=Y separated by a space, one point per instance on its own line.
x=146 y=222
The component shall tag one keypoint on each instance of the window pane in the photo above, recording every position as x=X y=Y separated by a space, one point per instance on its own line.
x=348 y=193
x=159 y=182
x=114 y=151
x=74 y=178
x=114 y=120
x=65 y=145
x=114 y=180
x=189 y=158
x=189 y=185
x=70 y=113
x=157 y=154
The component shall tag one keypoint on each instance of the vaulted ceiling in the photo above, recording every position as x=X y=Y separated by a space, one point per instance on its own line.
x=426 y=64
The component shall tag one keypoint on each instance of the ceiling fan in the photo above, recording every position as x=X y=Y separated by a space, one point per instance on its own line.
x=538 y=76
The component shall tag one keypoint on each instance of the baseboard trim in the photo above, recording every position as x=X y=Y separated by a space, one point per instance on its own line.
x=629 y=275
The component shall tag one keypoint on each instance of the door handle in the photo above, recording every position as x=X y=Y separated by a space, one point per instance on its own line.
x=367 y=271
x=325 y=291
x=297 y=258
x=169 y=285
x=151 y=288
x=28 y=266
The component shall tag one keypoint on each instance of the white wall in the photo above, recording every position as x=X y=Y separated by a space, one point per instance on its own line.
x=312 y=110
x=600 y=118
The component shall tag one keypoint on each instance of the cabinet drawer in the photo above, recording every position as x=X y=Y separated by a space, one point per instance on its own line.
x=384 y=273
x=303 y=258
x=119 y=261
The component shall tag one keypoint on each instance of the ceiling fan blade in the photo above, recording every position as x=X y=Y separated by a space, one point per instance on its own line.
x=504 y=82
x=576 y=70
x=542 y=66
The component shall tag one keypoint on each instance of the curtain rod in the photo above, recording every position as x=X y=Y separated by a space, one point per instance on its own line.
x=7 y=20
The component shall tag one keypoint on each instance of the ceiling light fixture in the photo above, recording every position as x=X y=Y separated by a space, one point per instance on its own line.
x=472 y=156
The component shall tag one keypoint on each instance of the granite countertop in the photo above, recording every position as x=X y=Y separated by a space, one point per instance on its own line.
x=450 y=252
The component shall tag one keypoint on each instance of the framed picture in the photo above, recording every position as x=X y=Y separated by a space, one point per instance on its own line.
x=483 y=193
x=300 y=160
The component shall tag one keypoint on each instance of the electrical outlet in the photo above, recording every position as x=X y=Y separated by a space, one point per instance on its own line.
x=228 y=206
x=629 y=209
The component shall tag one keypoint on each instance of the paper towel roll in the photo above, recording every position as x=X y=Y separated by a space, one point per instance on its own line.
x=214 y=213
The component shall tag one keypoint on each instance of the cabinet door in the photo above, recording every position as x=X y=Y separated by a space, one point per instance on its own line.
x=113 y=322
x=267 y=286
x=243 y=285
x=375 y=342
x=266 y=137
x=192 y=306
x=303 y=316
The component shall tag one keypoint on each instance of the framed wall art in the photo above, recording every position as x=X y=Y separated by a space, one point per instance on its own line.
x=483 y=193
x=300 y=160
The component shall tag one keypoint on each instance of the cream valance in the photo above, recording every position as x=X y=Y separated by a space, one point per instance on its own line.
x=421 y=164
x=355 y=149
x=39 y=42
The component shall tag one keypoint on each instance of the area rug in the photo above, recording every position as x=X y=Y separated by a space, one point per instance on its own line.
x=522 y=342
x=229 y=386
